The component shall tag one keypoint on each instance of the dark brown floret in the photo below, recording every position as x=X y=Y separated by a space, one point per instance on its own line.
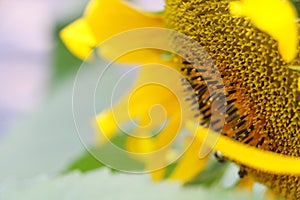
x=262 y=96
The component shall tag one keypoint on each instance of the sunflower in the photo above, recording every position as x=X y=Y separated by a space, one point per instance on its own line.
x=255 y=47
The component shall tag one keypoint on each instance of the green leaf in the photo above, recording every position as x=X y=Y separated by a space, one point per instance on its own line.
x=65 y=64
x=102 y=184
x=86 y=162
x=297 y=6
x=170 y=170
x=211 y=175
x=44 y=141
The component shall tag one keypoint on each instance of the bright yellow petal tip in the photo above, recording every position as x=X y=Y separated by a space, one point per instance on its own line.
x=249 y=156
x=278 y=18
x=79 y=38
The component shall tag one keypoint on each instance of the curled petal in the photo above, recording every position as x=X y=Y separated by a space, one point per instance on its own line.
x=250 y=156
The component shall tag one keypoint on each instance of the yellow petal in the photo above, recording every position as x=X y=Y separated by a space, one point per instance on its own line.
x=162 y=143
x=140 y=145
x=191 y=161
x=269 y=195
x=107 y=126
x=246 y=184
x=148 y=142
x=278 y=18
x=250 y=156
x=154 y=162
x=156 y=96
x=158 y=174
x=79 y=38
x=109 y=52
x=170 y=131
x=156 y=85
x=107 y=18
x=104 y=19
x=137 y=109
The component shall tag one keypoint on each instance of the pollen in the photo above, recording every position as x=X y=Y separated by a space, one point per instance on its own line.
x=262 y=106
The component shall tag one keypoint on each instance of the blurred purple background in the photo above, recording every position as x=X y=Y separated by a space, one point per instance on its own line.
x=26 y=44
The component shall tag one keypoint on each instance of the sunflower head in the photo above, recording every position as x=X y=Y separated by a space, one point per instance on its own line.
x=251 y=43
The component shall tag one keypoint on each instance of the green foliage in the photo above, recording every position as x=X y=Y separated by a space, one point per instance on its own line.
x=84 y=163
x=211 y=175
x=101 y=184
x=88 y=160
x=170 y=170
x=64 y=63
x=297 y=5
